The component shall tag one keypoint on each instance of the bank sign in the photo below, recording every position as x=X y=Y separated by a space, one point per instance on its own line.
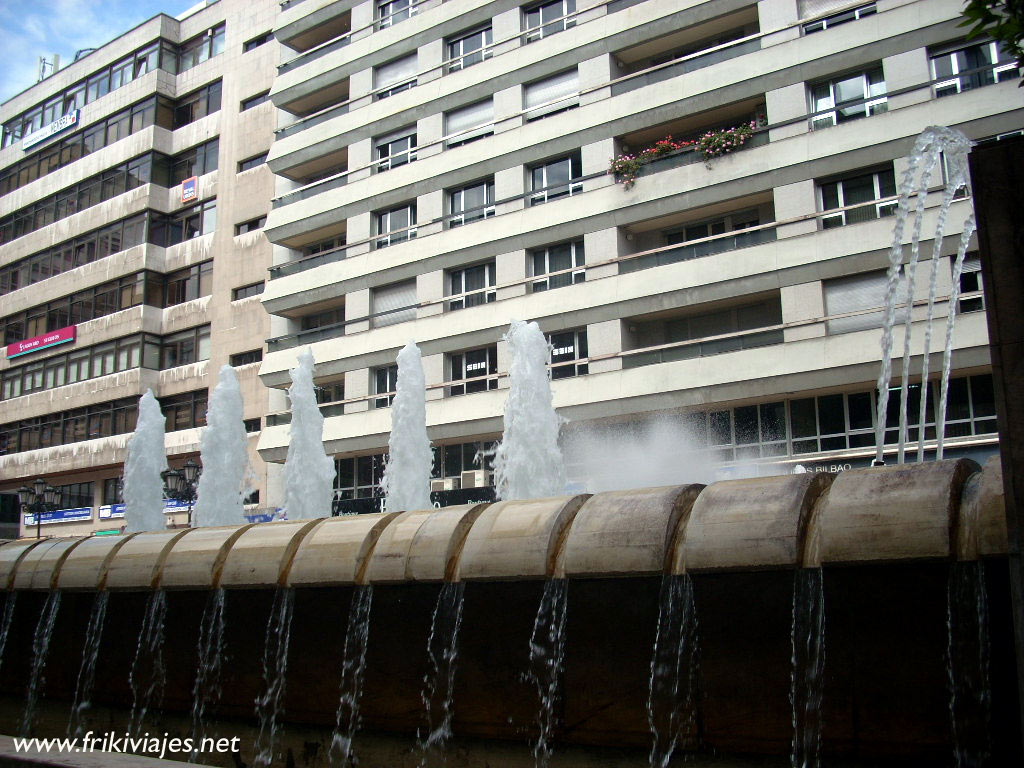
x=112 y=511
x=41 y=342
x=60 y=516
x=57 y=126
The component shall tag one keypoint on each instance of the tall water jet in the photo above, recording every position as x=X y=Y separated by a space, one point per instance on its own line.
x=547 y=654
x=308 y=470
x=808 y=664
x=406 y=481
x=223 y=484
x=928 y=149
x=143 y=486
x=148 y=675
x=5 y=628
x=528 y=462
x=87 y=672
x=439 y=682
x=353 y=663
x=40 y=650
x=275 y=671
x=207 y=687
x=970 y=691
x=673 y=699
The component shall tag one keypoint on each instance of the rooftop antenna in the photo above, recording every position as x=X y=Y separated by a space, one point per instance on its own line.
x=48 y=66
x=82 y=53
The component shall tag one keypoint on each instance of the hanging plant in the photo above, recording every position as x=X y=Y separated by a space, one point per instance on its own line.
x=726 y=140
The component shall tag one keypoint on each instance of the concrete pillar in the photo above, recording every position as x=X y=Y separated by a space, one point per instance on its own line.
x=907 y=69
x=509 y=183
x=805 y=301
x=360 y=84
x=594 y=72
x=360 y=155
x=362 y=19
x=785 y=104
x=596 y=157
x=429 y=132
x=430 y=57
x=792 y=200
x=433 y=372
x=605 y=338
x=357 y=305
x=507 y=107
x=509 y=267
x=359 y=229
x=357 y=384
x=600 y=246
x=430 y=287
x=776 y=17
x=505 y=25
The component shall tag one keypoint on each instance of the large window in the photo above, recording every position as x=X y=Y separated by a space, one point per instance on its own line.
x=254 y=101
x=854 y=294
x=188 y=283
x=197 y=104
x=200 y=48
x=391 y=12
x=184 y=411
x=547 y=18
x=970 y=282
x=112 y=418
x=395 y=149
x=177 y=227
x=552 y=95
x=201 y=159
x=385 y=382
x=855 y=191
x=964 y=67
x=556 y=178
x=395 y=303
x=358 y=477
x=567 y=349
x=395 y=225
x=557 y=258
x=834 y=19
x=189 y=346
x=395 y=76
x=849 y=97
x=471 y=203
x=476 y=370
x=473 y=286
x=469 y=48
x=453 y=460
x=469 y=123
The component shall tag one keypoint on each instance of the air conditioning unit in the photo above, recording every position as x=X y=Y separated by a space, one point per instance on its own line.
x=445 y=484
x=476 y=478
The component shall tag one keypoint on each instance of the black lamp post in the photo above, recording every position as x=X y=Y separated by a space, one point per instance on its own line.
x=181 y=484
x=37 y=500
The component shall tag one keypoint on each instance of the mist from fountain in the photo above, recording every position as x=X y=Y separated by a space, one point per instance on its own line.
x=308 y=470
x=207 y=687
x=143 y=486
x=932 y=144
x=807 y=669
x=528 y=463
x=547 y=655
x=87 y=672
x=406 y=481
x=40 y=650
x=148 y=675
x=439 y=682
x=270 y=704
x=224 y=456
x=353 y=663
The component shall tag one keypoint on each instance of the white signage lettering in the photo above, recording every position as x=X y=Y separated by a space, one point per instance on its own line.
x=58 y=125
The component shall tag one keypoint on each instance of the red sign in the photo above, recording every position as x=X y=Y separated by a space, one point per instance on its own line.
x=45 y=341
x=190 y=189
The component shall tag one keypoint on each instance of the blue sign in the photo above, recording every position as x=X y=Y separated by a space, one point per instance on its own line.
x=112 y=511
x=58 y=125
x=61 y=516
x=263 y=517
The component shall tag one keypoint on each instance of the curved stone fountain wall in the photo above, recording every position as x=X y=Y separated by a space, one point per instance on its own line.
x=884 y=537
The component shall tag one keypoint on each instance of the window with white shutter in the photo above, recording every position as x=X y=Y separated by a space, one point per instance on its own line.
x=855 y=293
x=393 y=303
x=395 y=76
x=469 y=123
x=551 y=95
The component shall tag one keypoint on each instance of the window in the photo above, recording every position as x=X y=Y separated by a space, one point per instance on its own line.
x=257 y=41
x=556 y=178
x=330 y=244
x=201 y=159
x=110 y=418
x=75 y=495
x=393 y=11
x=252 y=425
x=184 y=411
x=848 y=98
x=246 y=358
x=200 y=48
x=395 y=149
x=855 y=191
x=113 y=488
x=253 y=162
x=551 y=95
x=854 y=293
x=567 y=347
x=965 y=67
x=189 y=346
x=453 y=460
x=395 y=76
x=466 y=124
x=385 y=382
x=253 y=225
x=393 y=303
x=197 y=105
x=469 y=48
x=476 y=369
x=471 y=203
x=255 y=289
x=254 y=101
x=476 y=283
x=836 y=18
x=555 y=258
x=547 y=18
x=970 y=282
x=195 y=221
x=396 y=225
x=332 y=392
x=358 y=476
x=188 y=284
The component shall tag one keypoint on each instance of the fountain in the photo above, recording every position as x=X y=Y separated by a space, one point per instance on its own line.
x=275 y=670
x=223 y=484
x=528 y=462
x=439 y=683
x=547 y=652
x=808 y=665
x=147 y=677
x=406 y=481
x=352 y=666
x=87 y=672
x=143 y=486
x=40 y=650
x=207 y=688
x=308 y=471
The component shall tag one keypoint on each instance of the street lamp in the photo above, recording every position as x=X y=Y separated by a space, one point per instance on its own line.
x=181 y=484
x=37 y=500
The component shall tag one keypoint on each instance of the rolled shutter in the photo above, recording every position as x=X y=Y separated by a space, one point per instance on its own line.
x=469 y=122
x=551 y=94
x=395 y=72
x=389 y=298
x=860 y=292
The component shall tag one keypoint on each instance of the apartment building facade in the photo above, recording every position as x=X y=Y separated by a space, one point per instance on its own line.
x=133 y=190
x=444 y=169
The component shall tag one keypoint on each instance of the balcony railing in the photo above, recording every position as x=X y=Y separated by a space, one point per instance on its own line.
x=732 y=241
x=689 y=63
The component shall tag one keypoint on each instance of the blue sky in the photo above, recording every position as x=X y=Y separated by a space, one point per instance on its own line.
x=33 y=28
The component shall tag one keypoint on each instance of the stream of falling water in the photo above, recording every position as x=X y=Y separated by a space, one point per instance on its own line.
x=351 y=687
x=275 y=671
x=970 y=695
x=40 y=649
x=673 y=698
x=87 y=672
x=547 y=652
x=207 y=687
x=148 y=675
x=438 y=684
x=5 y=628
x=808 y=664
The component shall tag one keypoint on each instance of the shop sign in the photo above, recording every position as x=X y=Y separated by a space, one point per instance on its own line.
x=41 y=342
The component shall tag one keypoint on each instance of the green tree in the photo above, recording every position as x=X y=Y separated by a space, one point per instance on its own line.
x=1002 y=20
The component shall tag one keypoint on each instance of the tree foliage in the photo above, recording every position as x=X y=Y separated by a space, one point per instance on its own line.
x=1002 y=20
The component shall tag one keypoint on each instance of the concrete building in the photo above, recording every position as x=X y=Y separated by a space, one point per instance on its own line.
x=445 y=171
x=133 y=190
